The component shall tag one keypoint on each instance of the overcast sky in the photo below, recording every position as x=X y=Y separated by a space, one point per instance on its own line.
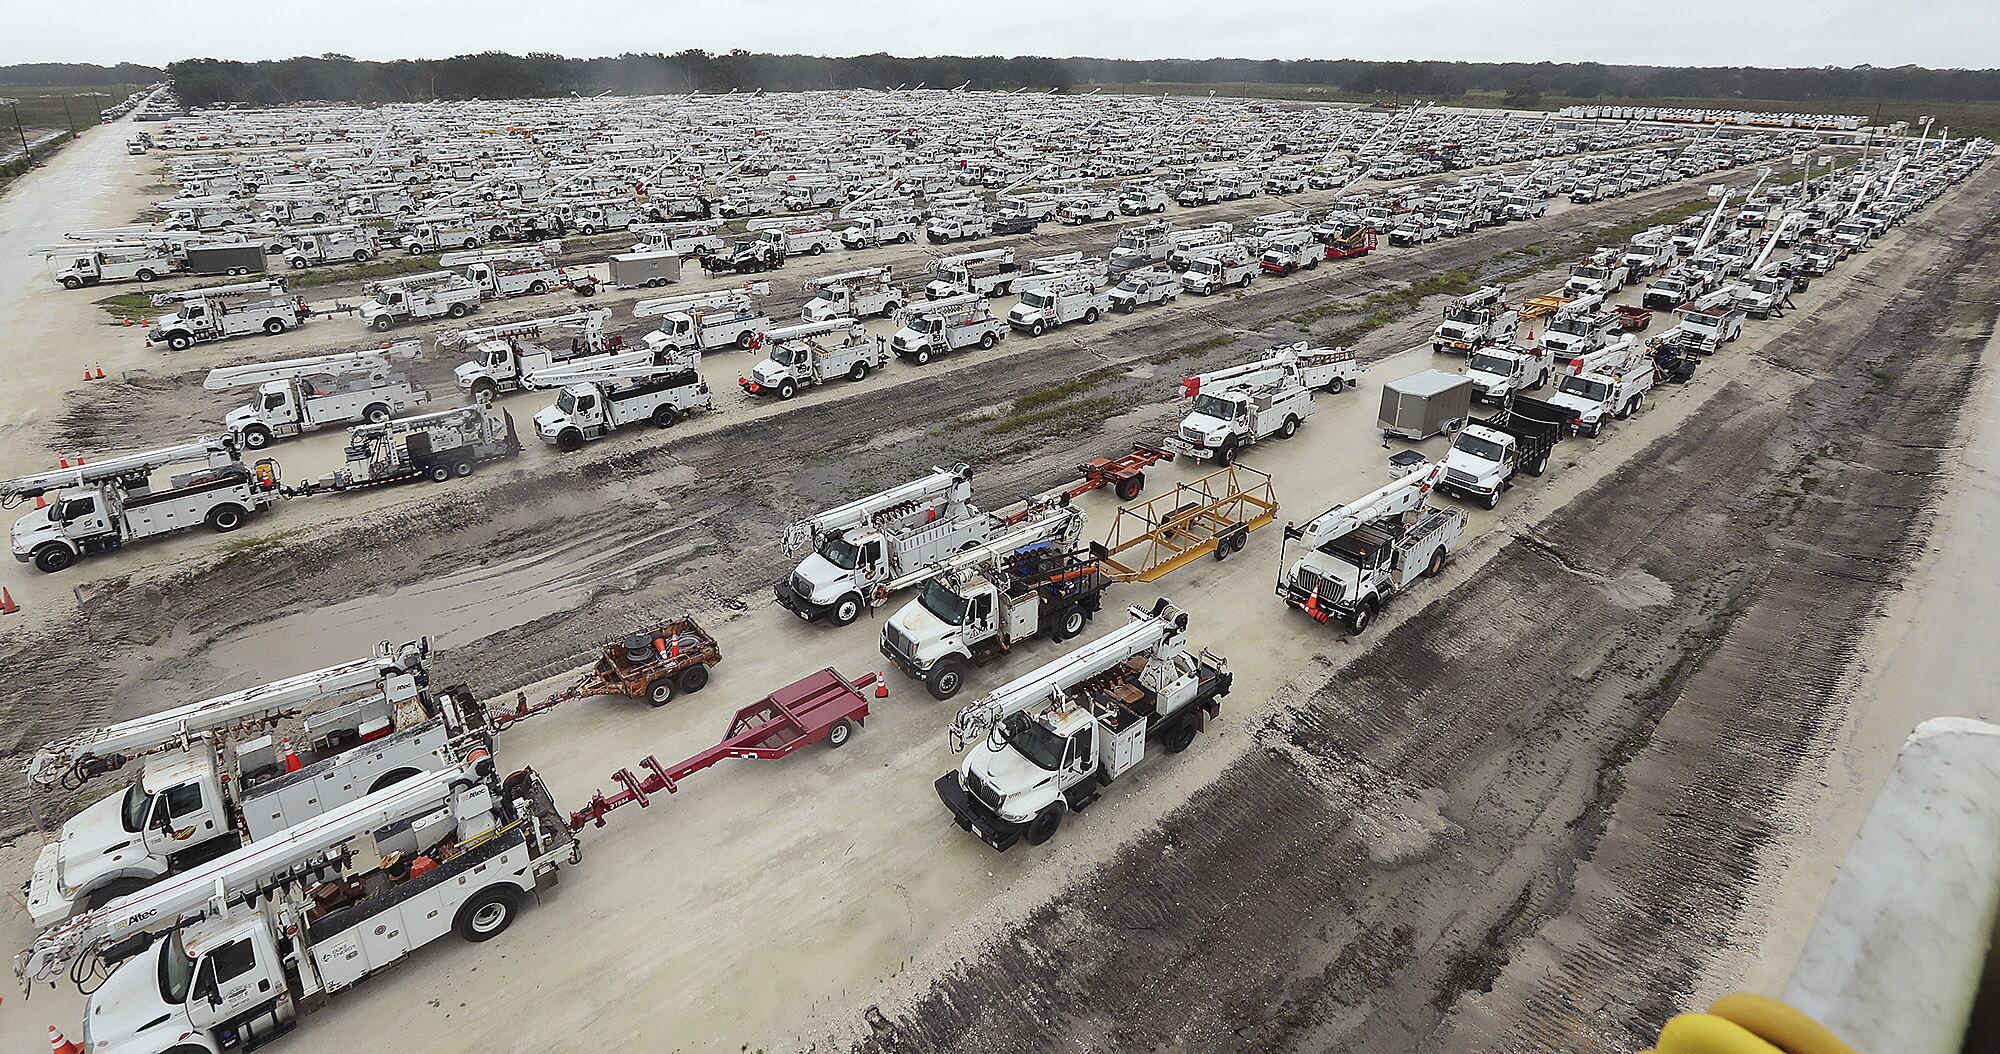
x=1940 y=33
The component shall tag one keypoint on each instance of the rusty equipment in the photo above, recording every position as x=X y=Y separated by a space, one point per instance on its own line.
x=674 y=657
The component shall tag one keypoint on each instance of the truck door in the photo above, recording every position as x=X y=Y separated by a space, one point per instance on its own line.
x=981 y=618
x=232 y=981
x=279 y=407
x=589 y=412
x=83 y=517
x=181 y=818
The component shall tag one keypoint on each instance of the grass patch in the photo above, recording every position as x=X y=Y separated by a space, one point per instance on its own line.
x=1619 y=234
x=1532 y=249
x=381 y=267
x=1059 y=417
x=1381 y=308
x=128 y=305
x=1049 y=396
x=1187 y=351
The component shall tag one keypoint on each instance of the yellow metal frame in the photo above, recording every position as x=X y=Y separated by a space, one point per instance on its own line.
x=1540 y=307
x=1150 y=541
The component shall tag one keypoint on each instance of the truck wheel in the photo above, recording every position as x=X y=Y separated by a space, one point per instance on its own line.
x=1539 y=466
x=145 y=274
x=986 y=342
x=274 y=326
x=52 y=558
x=1044 y=826
x=1362 y=616
x=383 y=322
x=1289 y=429
x=458 y=310
x=1335 y=386
x=660 y=692
x=439 y=473
x=924 y=355
x=1090 y=316
x=538 y=287
x=946 y=678
x=1243 y=282
x=1036 y=329
x=845 y=610
x=1492 y=501
x=889 y=309
x=360 y=256
x=569 y=441
x=487 y=914
x=787 y=389
x=694 y=679
x=376 y=413
x=461 y=469
x=484 y=392
x=1227 y=454
x=838 y=735
x=744 y=338
x=256 y=437
x=1129 y=488
x=1072 y=622
x=903 y=238
x=72 y=282
x=817 y=249
x=225 y=518
x=470 y=243
x=298 y=263
x=665 y=417
x=1181 y=735
x=1437 y=562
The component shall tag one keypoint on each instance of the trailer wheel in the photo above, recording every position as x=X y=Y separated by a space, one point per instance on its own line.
x=694 y=679
x=946 y=678
x=570 y=440
x=845 y=610
x=458 y=310
x=225 y=518
x=660 y=692
x=52 y=558
x=487 y=914
x=1129 y=487
x=986 y=342
x=665 y=417
x=838 y=734
x=274 y=326
x=1044 y=826
x=439 y=473
x=1181 y=735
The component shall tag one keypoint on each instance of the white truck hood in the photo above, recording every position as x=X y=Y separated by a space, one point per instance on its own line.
x=126 y=1012
x=1490 y=382
x=32 y=529
x=1331 y=570
x=1577 y=405
x=1025 y=313
x=1210 y=428
x=768 y=373
x=1025 y=788
x=235 y=421
x=925 y=632
x=825 y=581
x=549 y=421
x=95 y=845
x=1476 y=467
x=819 y=309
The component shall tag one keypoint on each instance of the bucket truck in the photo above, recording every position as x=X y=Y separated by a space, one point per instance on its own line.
x=600 y=397
x=812 y=354
x=527 y=270
x=101 y=506
x=313 y=246
x=1485 y=456
x=1478 y=319
x=1145 y=285
x=212 y=775
x=681 y=239
x=412 y=298
x=1233 y=408
x=1218 y=267
x=1050 y=300
x=982 y=601
x=864 y=550
x=74 y=267
x=220 y=312
x=1706 y=323
x=937 y=327
x=1139 y=246
x=508 y=354
x=1579 y=327
x=440 y=446
x=240 y=950
x=1649 y=252
x=1611 y=382
x=1049 y=741
x=851 y=294
x=887 y=228
x=1352 y=558
x=1602 y=272
x=705 y=321
x=989 y=272
x=295 y=396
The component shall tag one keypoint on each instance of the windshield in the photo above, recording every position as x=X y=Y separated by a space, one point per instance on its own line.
x=939 y=599
x=1472 y=315
x=1214 y=406
x=133 y=811
x=566 y=402
x=1670 y=285
x=787 y=356
x=839 y=552
x=1132 y=285
x=496 y=357
x=1765 y=285
x=1205 y=267
x=176 y=970
x=1575 y=327
x=1035 y=299
x=1591 y=272
x=1033 y=741
x=1478 y=446
x=1596 y=391
x=1131 y=241
x=1484 y=363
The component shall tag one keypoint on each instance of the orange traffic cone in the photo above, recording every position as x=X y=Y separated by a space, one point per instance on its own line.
x=7 y=605
x=41 y=502
x=60 y=1045
x=881 y=689
x=126 y=322
x=100 y=373
x=62 y=462
x=292 y=762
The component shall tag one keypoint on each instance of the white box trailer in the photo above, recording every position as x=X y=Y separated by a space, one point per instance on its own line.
x=649 y=269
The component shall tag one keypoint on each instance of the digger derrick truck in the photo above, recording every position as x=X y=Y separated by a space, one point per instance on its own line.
x=812 y=354
x=100 y=506
x=295 y=396
x=438 y=446
x=863 y=551
x=212 y=776
x=989 y=272
x=851 y=294
x=1479 y=319
x=234 y=953
x=937 y=327
x=413 y=298
x=1352 y=558
x=601 y=396
x=979 y=603
x=507 y=355
x=1233 y=408
x=1051 y=740
x=220 y=312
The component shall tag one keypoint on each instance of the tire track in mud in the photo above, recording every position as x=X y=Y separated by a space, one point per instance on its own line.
x=1524 y=818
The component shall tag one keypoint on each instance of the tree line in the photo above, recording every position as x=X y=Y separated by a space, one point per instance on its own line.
x=492 y=75
x=77 y=74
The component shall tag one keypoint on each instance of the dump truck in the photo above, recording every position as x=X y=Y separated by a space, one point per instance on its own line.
x=1486 y=455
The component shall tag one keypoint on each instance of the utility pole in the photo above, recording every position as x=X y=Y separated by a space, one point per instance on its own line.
x=15 y=105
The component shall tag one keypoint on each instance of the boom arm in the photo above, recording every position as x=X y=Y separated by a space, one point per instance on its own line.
x=216 y=451
x=1161 y=632
x=939 y=483
x=371 y=361
x=1394 y=499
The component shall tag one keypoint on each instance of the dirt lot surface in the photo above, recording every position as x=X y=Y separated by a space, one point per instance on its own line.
x=1539 y=806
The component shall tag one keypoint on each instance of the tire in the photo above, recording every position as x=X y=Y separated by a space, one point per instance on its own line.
x=538 y=287
x=946 y=678
x=923 y=356
x=1363 y=616
x=1037 y=329
x=383 y=322
x=488 y=914
x=660 y=692
x=838 y=735
x=470 y=243
x=665 y=417
x=1044 y=826
x=461 y=469
x=569 y=441
x=439 y=473
x=458 y=310
x=1072 y=622
x=256 y=437
x=1129 y=488
x=1436 y=565
x=72 y=282
x=225 y=518
x=845 y=610
x=485 y=391
x=744 y=338
x=376 y=413
x=693 y=679
x=817 y=249
x=360 y=256
x=274 y=326
x=1289 y=429
x=787 y=389
x=1335 y=386
x=1540 y=465
x=146 y=274
x=298 y=263
x=1090 y=316
x=1181 y=735
x=1227 y=454
x=1492 y=501
x=1243 y=282
x=986 y=342
x=903 y=238
x=889 y=309
x=52 y=558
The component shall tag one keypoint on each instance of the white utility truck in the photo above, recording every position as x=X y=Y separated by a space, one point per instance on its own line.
x=1479 y=319
x=697 y=238
x=866 y=232
x=82 y=266
x=812 y=354
x=705 y=321
x=1610 y=382
x=1503 y=370
x=221 y=312
x=1352 y=558
x=520 y=270
x=1050 y=300
x=1231 y=409
x=295 y=396
x=1146 y=285
x=508 y=354
x=1050 y=740
x=439 y=446
x=101 y=506
x=1485 y=456
x=982 y=601
x=413 y=298
x=1217 y=268
x=1140 y=245
x=600 y=397
x=851 y=294
x=945 y=325
x=1603 y=272
x=989 y=272
x=216 y=773
x=237 y=952
x=1578 y=328
x=1650 y=252
x=314 y=246
x=863 y=551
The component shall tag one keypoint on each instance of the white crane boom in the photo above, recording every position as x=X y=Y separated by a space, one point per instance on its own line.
x=239 y=876
x=267 y=287
x=374 y=360
x=667 y=305
x=939 y=483
x=536 y=253
x=591 y=320
x=811 y=329
x=1064 y=522
x=110 y=747
x=1161 y=631
x=218 y=451
x=844 y=277
x=619 y=367
x=1401 y=496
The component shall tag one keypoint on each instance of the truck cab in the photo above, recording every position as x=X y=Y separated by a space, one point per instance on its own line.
x=174 y=814
x=1499 y=372
x=78 y=520
x=211 y=985
x=1593 y=397
x=1853 y=236
x=1577 y=333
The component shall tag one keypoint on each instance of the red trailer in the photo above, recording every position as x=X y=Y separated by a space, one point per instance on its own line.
x=1126 y=475
x=819 y=706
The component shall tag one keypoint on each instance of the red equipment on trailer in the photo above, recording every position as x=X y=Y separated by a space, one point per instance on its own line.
x=1126 y=476
x=819 y=706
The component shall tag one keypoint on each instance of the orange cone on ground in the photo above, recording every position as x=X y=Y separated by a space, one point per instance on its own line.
x=7 y=605
x=881 y=689
x=60 y=1045
x=100 y=373
x=41 y=502
x=62 y=462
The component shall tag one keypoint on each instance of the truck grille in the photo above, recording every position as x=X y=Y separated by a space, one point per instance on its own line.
x=1192 y=435
x=1461 y=478
x=899 y=642
x=801 y=587
x=1310 y=582
x=981 y=790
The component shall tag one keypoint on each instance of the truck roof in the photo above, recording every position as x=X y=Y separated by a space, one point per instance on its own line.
x=172 y=769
